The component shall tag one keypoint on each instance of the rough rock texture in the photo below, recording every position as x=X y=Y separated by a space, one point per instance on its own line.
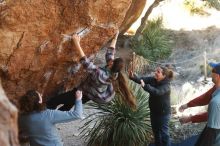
x=33 y=51
x=133 y=14
x=8 y=121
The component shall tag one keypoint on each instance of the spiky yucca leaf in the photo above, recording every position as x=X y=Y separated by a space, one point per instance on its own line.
x=116 y=124
x=154 y=43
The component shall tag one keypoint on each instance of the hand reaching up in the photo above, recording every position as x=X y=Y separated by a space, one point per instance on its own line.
x=142 y=83
x=76 y=41
x=114 y=40
x=76 y=38
x=78 y=95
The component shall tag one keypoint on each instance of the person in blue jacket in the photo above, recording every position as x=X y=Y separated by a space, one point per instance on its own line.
x=38 y=123
x=158 y=87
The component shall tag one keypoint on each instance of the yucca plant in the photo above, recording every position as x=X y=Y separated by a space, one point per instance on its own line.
x=154 y=43
x=116 y=124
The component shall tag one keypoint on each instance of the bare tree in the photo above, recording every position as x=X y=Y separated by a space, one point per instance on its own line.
x=147 y=14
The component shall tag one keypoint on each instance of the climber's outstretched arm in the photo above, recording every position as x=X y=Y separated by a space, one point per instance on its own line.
x=110 y=51
x=114 y=40
x=76 y=41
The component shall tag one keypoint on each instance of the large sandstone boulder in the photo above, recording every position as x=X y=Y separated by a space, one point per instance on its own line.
x=132 y=14
x=35 y=52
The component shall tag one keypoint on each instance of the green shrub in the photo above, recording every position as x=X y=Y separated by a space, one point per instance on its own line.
x=195 y=7
x=154 y=43
x=199 y=7
x=214 y=3
x=116 y=124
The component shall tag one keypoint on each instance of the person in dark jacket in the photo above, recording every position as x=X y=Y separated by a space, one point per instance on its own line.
x=99 y=84
x=159 y=102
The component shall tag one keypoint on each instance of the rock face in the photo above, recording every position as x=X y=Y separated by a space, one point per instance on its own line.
x=133 y=14
x=34 y=51
x=8 y=121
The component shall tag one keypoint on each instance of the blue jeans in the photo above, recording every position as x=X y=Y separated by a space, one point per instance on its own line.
x=160 y=127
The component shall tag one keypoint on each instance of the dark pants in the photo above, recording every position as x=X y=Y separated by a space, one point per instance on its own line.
x=209 y=137
x=160 y=127
x=67 y=98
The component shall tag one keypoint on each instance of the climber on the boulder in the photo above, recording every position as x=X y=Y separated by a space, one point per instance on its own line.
x=98 y=85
